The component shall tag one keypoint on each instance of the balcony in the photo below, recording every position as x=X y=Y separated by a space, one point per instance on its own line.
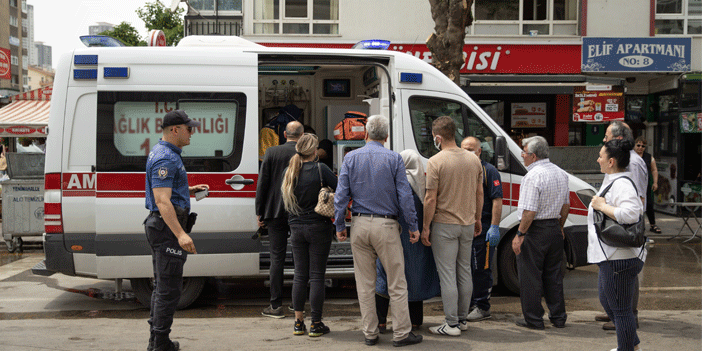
x=209 y=25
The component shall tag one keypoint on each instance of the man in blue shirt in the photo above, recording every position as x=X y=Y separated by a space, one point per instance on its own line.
x=168 y=199
x=484 y=244
x=374 y=178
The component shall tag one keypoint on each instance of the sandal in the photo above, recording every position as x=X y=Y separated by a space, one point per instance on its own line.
x=655 y=229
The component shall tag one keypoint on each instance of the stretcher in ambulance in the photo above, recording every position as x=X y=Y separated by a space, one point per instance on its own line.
x=106 y=111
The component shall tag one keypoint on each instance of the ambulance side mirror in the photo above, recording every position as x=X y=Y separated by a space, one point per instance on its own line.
x=501 y=153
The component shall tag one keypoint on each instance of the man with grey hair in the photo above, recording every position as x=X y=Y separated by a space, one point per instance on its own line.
x=374 y=178
x=639 y=174
x=543 y=208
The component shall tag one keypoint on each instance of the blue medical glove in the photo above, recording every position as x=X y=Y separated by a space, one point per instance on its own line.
x=493 y=235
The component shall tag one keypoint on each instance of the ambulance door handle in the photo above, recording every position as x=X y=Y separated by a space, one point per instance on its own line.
x=238 y=182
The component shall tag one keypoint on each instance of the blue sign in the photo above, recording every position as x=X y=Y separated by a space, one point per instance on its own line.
x=636 y=54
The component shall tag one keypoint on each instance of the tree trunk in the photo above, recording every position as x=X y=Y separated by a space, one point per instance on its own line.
x=451 y=18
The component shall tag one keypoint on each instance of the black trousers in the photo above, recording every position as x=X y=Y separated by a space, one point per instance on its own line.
x=168 y=259
x=310 y=246
x=482 y=277
x=416 y=310
x=539 y=265
x=278 y=229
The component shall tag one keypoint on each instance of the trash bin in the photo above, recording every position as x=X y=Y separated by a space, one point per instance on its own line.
x=23 y=199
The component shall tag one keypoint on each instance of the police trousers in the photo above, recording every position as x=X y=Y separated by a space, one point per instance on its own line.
x=168 y=259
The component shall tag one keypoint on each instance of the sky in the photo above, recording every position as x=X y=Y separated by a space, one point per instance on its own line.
x=59 y=23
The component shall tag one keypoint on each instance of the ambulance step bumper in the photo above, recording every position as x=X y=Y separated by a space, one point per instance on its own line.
x=40 y=269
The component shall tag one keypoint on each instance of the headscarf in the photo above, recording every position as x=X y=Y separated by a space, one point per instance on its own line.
x=414 y=169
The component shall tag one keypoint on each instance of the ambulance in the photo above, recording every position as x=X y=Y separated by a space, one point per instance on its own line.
x=108 y=104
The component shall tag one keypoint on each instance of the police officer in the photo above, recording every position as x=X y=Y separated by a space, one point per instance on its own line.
x=168 y=199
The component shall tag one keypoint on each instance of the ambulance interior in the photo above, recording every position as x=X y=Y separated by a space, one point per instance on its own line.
x=318 y=96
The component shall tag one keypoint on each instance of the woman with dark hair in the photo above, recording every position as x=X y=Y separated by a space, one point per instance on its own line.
x=619 y=266
x=310 y=233
x=640 y=148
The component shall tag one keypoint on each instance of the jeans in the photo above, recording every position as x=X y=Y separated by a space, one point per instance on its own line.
x=278 y=240
x=310 y=246
x=616 y=286
x=452 y=247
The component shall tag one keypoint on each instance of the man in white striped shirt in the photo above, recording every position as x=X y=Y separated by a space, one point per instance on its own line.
x=542 y=211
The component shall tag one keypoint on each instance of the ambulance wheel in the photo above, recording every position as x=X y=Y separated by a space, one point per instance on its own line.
x=507 y=264
x=192 y=287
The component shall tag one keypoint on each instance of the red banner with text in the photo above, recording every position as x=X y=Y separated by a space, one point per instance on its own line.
x=5 y=71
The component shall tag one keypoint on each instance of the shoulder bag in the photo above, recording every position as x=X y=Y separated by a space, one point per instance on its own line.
x=610 y=232
x=325 y=200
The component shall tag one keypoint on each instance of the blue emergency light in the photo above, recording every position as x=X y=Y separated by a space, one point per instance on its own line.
x=100 y=41
x=372 y=44
x=85 y=74
x=85 y=60
x=406 y=77
x=116 y=72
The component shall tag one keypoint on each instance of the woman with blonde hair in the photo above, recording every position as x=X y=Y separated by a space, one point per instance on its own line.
x=311 y=233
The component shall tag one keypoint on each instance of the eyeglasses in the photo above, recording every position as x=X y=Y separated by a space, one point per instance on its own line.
x=527 y=153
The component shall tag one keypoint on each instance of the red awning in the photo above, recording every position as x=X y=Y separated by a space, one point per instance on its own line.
x=24 y=118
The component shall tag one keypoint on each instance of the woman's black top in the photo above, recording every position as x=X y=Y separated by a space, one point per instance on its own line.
x=307 y=192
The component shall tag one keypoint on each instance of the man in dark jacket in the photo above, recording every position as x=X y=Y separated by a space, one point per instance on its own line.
x=271 y=212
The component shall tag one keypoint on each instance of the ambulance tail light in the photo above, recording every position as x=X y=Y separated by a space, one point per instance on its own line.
x=53 y=219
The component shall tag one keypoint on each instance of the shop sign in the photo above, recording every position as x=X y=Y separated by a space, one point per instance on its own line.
x=489 y=58
x=529 y=115
x=636 y=54
x=20 y=130
x=5 y=72
x=598 y=103
x=691 y=122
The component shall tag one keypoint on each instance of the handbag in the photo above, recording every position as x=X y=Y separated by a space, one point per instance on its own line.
x=614 y=234
x=325 y=199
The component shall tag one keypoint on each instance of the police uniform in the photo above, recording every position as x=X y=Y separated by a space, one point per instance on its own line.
x=165 y=169
x=482 y=277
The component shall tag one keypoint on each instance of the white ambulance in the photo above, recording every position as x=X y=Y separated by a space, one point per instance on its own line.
x=106 y=110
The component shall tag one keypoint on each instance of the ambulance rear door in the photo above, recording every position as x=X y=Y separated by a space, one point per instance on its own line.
x=215 y=87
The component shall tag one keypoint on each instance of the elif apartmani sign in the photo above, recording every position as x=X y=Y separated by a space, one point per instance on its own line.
x=636 y=54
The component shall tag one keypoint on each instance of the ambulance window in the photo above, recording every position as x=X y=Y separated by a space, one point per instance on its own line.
x=424 y=110
x=129 y=125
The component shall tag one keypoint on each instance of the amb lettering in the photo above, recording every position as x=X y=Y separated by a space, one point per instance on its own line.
x=174 y=251
x=83 y=181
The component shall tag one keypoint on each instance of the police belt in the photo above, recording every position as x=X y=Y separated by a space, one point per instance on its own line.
x=186 y=220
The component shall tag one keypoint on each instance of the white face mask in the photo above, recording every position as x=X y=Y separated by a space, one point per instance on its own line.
x=437 y=144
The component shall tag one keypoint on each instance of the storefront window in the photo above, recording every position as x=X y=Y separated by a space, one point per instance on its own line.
x=690 y=96
x=635 y=109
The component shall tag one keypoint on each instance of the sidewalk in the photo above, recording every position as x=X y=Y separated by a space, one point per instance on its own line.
x=661 y=330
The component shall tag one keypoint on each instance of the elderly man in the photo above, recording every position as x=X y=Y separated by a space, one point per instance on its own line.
x=543 y=209
x=639 y=174
x=271 y=212
x=484 y=244
x=452 y=207
x=374 y=178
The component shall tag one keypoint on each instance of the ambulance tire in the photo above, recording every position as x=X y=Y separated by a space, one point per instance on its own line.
x=192 y=287
x=507 y=264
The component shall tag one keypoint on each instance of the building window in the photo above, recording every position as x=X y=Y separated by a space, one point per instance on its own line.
x=24 y=6
x=14 y=60
x=318 y=17
x=25 y=62
x=525 y=17
x=13 y=3
x=678 y=17
x=13 y=21
x=222 y=5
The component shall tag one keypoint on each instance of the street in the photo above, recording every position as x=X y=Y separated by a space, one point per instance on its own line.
x=70 y=313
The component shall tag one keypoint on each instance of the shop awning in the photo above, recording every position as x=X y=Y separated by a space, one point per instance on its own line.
x=27 y=115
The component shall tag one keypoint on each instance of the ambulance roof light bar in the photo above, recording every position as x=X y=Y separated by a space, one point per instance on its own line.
x=100 y=41
x=372 y=44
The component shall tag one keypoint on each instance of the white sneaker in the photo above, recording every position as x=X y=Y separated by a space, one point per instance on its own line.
x=463 y=325
x=478 y=315
x=445 y=329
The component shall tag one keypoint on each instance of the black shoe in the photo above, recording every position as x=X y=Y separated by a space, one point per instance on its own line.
x=411 y=339
x=299 y=328
x=609 y=326
x=602 y=318
x=382 y=328
x=170 y=346
x=523 y=323
x=371 y=342
x=318 y=329
x=559 y=325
